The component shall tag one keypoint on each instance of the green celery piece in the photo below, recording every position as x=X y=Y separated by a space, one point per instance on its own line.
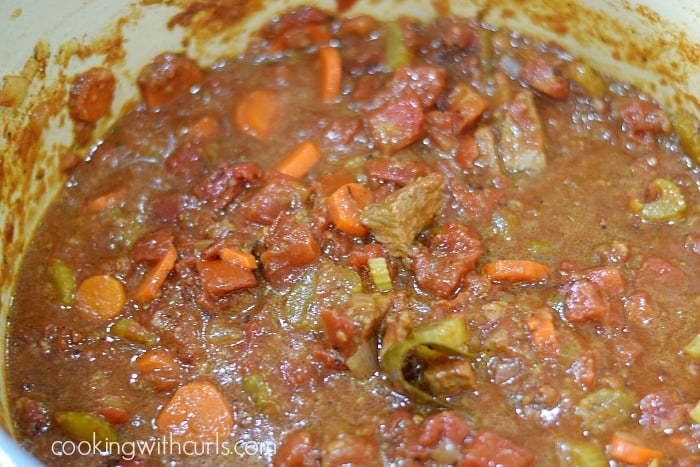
x=84 y=426
x=64 y=281
x=260 y=393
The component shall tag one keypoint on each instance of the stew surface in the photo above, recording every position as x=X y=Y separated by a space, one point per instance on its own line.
x=365 y=243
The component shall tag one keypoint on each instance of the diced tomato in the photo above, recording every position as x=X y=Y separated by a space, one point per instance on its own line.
x=467 y=104
x=339 y=330
x=220 y=277
x=444 y=426
x=489 y=449
x=584 y=301
x=477 y=203
x=186 y=162
x=277 y=193
x=167 y=77
x=290 y=247
x=396 y=124
x=452 y=253
x=398 y=171
x=358 y=259
x=544 y=77
x=91 y=95
x=426 y=82
x=643 y=120
x=297 y=450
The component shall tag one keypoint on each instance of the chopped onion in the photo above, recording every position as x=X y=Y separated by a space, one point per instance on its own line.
x=363 y=363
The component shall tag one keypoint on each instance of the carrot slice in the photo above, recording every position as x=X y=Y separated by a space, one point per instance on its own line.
x=198 y=412
x=204 y=127
x=153 y=281
x=344 y=207
x=101 y=297
x=256 y=112
x=155 y=360
x=114 y=415
x=625 y=448
x=513 y=271
x=298 y=162
x=238 y=257
x=158 y=368
x=107 y=200
x=330 y=73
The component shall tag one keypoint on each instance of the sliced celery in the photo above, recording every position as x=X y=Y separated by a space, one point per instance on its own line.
x=688 y=129
x=127 y=328
x=605 y=409
x=582 y=454
x=83 y=426
x=259 y=392
x=327 y=287
x=670 y=205
x=379 y=272
x=586 y=77
x=396 y=54
x=64 y=281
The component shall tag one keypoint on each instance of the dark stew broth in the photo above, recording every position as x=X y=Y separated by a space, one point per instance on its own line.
x=366 y=243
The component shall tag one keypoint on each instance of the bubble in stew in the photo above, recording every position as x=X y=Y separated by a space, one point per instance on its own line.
x=367 y=243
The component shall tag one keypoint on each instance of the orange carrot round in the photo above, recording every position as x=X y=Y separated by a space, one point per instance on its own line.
x=100 y=297
x=198 y=412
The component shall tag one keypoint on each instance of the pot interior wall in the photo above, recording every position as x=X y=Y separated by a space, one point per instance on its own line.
x=654 y=44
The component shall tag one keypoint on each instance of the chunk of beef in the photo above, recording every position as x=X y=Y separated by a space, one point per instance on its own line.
x=186 y=162
x=397 y=219
x=449 y=378
x=298 y=28
x=32 y=417
x=522 y=137
x=153 y=246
